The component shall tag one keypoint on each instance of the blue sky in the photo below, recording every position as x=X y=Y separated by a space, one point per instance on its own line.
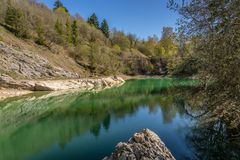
x=141 y=17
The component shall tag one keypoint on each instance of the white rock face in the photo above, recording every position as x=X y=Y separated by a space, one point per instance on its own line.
x=56 y=85
x=29 y=65
x=145 y=145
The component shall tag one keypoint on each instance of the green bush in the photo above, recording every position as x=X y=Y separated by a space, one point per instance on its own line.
x=17 y=22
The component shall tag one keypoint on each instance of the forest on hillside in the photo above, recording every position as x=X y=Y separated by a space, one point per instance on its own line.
x=92 y=44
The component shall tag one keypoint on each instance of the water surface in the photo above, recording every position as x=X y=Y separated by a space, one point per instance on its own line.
x=88 y=125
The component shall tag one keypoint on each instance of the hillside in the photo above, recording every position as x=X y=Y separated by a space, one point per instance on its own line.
x=23 y=59
x=37 y=42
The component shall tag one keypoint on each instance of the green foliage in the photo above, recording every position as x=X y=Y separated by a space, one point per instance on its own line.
x=168 y=49
x=187 y=67
x=15 y=18
x=74 y=32
x=40 y=36
x=92 y=58
x=92 y=46
x=116 y=49
x=59 y=27
x=93 y=21
x=217 y=40
x=133 y=40
x=121 y=40
x=58 y=4
x=105 y=28
x=68 y=31
x=214 y=26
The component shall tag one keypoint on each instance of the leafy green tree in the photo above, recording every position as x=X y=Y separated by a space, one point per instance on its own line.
x=41 y=40
x=93 y=21
x=58 y=4
x=133 y=40
x=59 y=27
x=68 y=31
x=105 y=28
x=74 y=32
x=215 y=25
x=121 y=40
x=15 y=18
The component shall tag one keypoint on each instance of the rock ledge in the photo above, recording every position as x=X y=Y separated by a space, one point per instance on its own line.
x=145 y=145
x=56 y=85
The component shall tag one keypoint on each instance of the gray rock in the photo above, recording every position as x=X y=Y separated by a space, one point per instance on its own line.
x=145 y=145
x=56 y=85
x=5 y=78
x=26 y=64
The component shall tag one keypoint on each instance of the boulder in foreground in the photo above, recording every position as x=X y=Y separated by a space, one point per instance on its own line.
x=145 y=145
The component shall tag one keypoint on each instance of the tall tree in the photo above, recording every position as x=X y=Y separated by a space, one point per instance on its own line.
x=41 y=40
x=74 y=32
x=216 y=27
x=167 y=32
x=68 y=31
x=93 y=20
x=58 y=4
x=105 y=28
x=132 y=39
x=59 y=27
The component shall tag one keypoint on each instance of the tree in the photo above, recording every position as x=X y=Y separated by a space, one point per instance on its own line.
x=92 y=58
x=120 y=39
x=93 y=21
x=133 y=40
x=167 y=32
x=105 y=28
x=68 y=31
x=58 y=4
x=15 y=18
x=40 y=35
x=59 y=27
x=74 y=32
x=215 y=26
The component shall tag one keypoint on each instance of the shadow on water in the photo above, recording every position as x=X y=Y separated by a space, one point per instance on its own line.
x=88 y=125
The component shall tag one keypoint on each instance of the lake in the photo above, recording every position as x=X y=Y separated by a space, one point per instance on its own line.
x=88 y=125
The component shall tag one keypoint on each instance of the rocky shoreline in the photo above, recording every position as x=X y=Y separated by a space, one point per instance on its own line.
x=10 y=87
x=145 y=145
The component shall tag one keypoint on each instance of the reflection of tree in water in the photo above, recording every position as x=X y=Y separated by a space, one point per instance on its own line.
x=214 y=141
x=217 y=134
x=95 y=129
x=106 y=122
x=59 y=119
x=171 y=106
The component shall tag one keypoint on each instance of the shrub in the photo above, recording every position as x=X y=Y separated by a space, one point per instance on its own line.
x=15 y=18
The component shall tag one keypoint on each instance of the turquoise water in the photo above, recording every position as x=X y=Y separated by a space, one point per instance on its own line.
x=89 y=125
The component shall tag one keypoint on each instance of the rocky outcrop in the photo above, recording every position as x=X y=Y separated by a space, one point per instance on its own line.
x=28 y=65
x=83 y=84
x=145 y=145
x=56 y=85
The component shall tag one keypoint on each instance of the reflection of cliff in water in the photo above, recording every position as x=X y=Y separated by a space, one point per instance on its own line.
x=57 y=119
